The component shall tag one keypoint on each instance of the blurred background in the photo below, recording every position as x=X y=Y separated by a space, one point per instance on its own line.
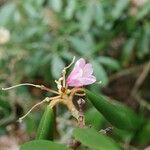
x=39 y=37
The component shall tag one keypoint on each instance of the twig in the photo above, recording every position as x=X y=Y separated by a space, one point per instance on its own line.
x=137 y=85
x=126 y=72
x=142 y=102
x=141 y=78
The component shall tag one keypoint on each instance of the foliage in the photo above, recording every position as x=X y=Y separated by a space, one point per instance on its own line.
x=96 y=141
x=44 y=37
x=45 y=130
x=42 y=144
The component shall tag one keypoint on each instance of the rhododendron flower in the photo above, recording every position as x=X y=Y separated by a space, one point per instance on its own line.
x=81 y=74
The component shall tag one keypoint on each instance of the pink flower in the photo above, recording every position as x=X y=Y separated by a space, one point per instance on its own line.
x=81 y=74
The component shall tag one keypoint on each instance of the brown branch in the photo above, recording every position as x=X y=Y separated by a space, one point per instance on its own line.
x=137 y=85
x=126 y=72
x=141 y=78
x=142 y=102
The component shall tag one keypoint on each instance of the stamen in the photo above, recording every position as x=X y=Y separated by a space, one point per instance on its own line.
x=47 y=99
x=42 y=87
x=73 y=60
x=64 y=71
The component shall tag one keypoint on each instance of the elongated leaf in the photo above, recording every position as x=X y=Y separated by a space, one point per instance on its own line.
x=56 y=5
x=46 y=127
x=98 y=120
x=71 y=4
x=57 y=66
x=143 y=46
x=80 y=45
x=95 y=140
x=99 y=14
x=100 y=72
x=145 y=10
x=6 y=13
x=118 y=115
x=87 y=17
x=127 y=51
x=109 y=62
x=143 y=136
x=43 y=145
x=119 y=8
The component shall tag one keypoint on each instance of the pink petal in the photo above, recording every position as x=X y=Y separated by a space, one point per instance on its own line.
x=88 y=70
x=89 y=80
x=81 y=74
x=75 y=83
x=75 y=74
x=80 y=63
x=78 y=66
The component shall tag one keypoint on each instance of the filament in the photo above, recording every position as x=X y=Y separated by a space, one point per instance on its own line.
x=73 y=60
x=45 y=100
x=29 y=84
x=64 y=71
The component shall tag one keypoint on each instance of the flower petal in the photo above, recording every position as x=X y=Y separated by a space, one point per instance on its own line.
x=88 y=80
x=75 y=83
x=88 y=70
x=80 y=63
x=81 y=74
x=76 y=73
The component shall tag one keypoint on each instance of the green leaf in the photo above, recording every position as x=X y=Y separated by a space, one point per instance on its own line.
x=143 y=44
x=119 y=8
x=99 y=14
x=6 y=13
x=94 y=139
x=87 y=17
x=117 y=114
x=122 y=135
x=56 y=5
x=71 y=5
x=127 y=51
x=46 y=126
x=30 y=10
x=143 y=136
x=99 y=72
x=43 y=145
x=57 y=65
x=109 y=62
x=97 y=122
x=145 y=10
x=80 y=45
